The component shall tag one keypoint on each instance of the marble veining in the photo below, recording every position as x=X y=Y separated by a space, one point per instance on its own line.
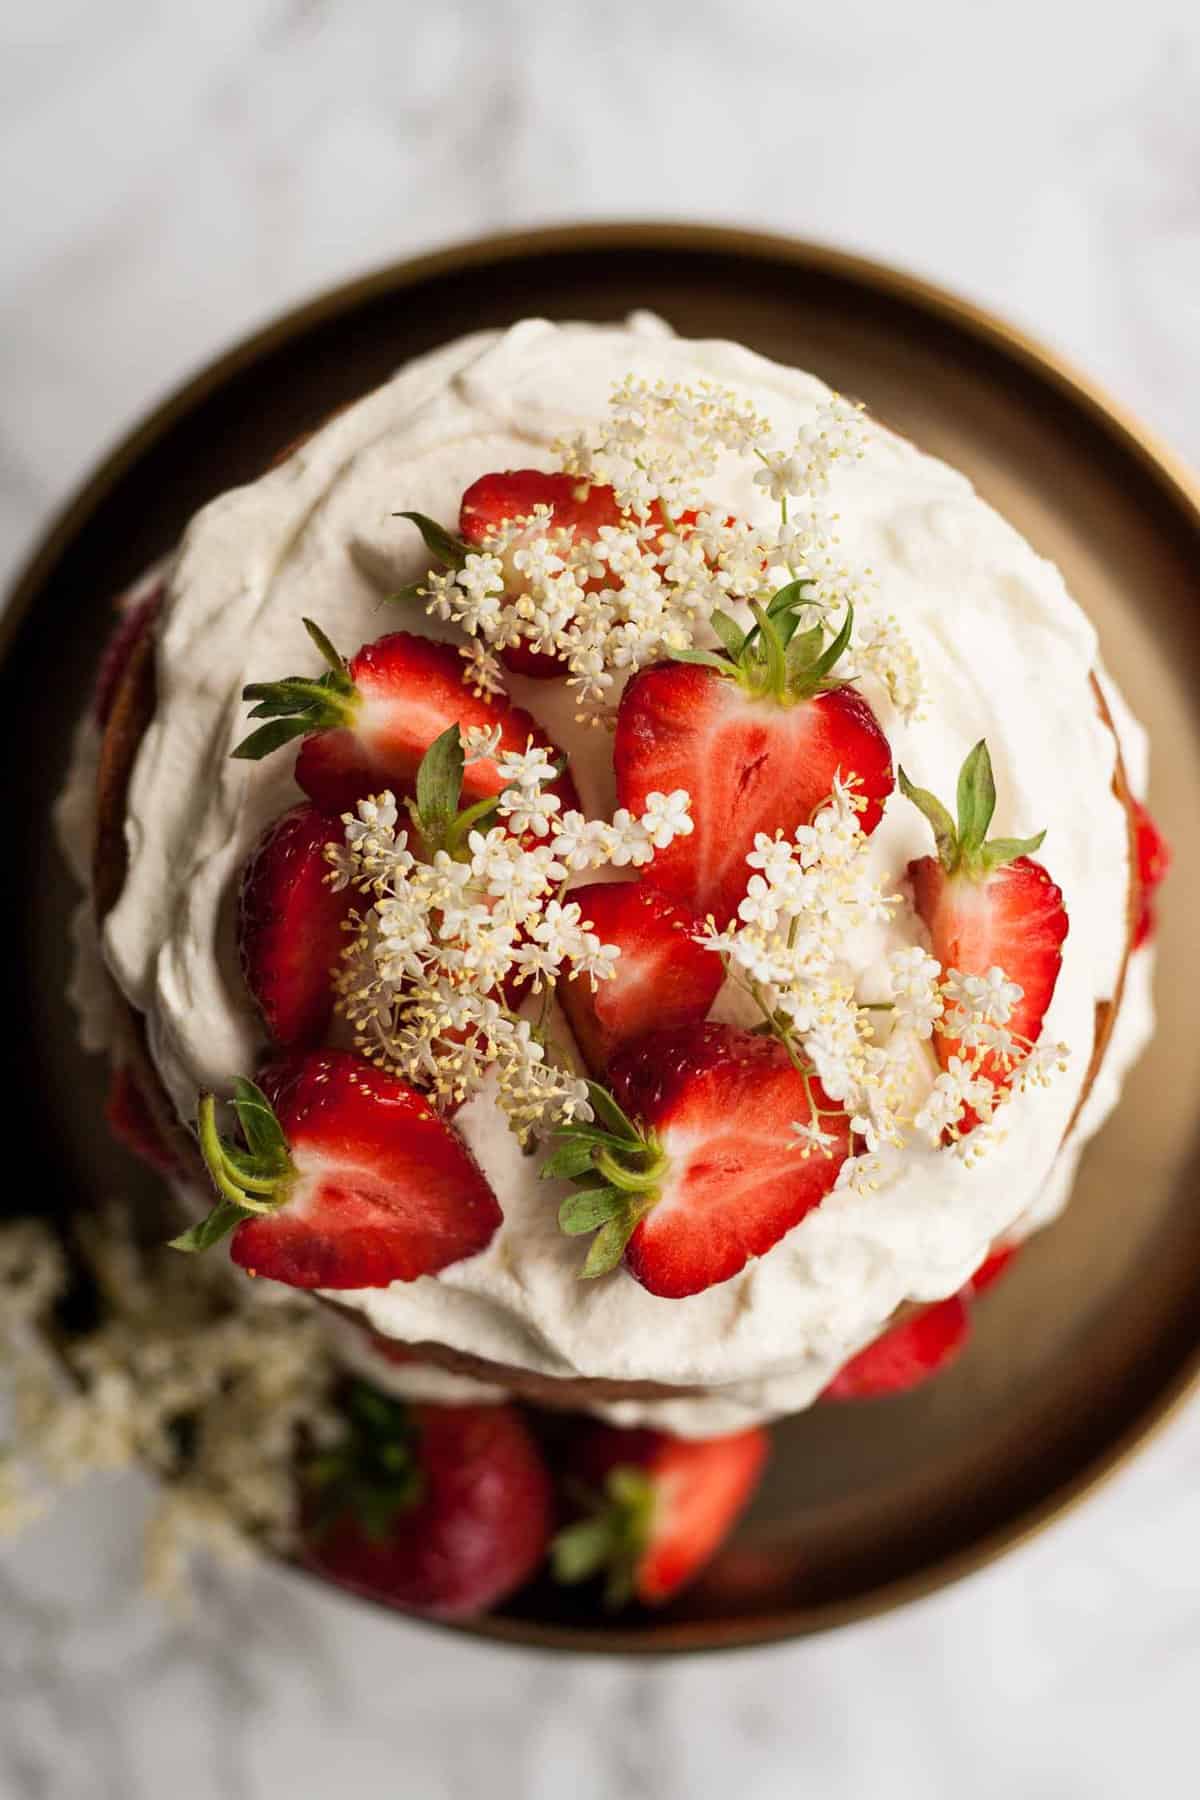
x=176 y=176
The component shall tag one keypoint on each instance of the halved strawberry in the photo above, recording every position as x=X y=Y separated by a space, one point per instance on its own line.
x=992 y=1268
x=662 y=978
x=692 y=1166
x=660 y=1507
x=367 y=723
x=575 y=505
x=347 y=1178
x=906 y=1355
x=1154 y=862
x=988 y=905
x=290 y=925
x=440 y=1510
x=756 y=737
x=134 y=1125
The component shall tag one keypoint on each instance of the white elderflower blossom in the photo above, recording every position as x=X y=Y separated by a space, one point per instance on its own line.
x=645 y=587
x=449 y=945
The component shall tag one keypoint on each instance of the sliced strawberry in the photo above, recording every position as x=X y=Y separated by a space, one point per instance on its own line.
x=906 y=1355
x=749 y=763
x=660 y=1507
x=715 y=1174
x=290 y=925
x=133 y=618
x=362 y=1183
x=662 y=979
x=440 y=1510
x=575 y=505
x=366 y=724
x=1011 y=917
x=133 y=1124
x=987 y=905
x=1154 y=862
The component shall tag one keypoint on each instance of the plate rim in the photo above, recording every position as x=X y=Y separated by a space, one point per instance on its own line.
x=1166 y=468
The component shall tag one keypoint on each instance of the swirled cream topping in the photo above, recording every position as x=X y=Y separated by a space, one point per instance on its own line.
x=1005 y=652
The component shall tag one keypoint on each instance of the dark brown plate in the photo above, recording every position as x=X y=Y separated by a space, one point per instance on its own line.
x=1097 y=1332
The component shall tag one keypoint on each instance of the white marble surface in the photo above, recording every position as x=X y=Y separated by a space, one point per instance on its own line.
x=176 y=173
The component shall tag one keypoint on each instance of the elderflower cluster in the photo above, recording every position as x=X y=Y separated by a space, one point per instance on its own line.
x=207 y=1379
x=789 y=949
x=645 y=587
x=450 y=947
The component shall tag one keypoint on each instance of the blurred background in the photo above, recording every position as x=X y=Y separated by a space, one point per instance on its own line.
x=174 y=175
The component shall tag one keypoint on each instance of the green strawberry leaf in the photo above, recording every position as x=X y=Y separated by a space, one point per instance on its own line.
x=729 y=632
x=223 y=1218
x=571 y=1159
x=608 y=1245
x=440 y=778
x=261 y=1129
x=438 y=541
x=944 y=834
x=999 y=851
x=606 y=1109
x=589 y=1208
x=976 y=800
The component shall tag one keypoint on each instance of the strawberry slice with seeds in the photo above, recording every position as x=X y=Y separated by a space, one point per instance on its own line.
x=658 y=1508
x=692 y=1165
x=905 y=1356
x=346 y=1178
x=757 y=736
x=1153 y=862
x=439 y=1510
x=988 y=905
x=662 y=979
x=367 y=723
x=575 y=505
x=290 y=925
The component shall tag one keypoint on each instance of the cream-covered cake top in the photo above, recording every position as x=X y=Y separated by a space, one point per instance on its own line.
x=1004 y=655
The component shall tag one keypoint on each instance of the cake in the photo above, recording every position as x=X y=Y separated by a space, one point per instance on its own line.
x=592 y=607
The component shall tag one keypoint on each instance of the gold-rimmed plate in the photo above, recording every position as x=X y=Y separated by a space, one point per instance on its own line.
x=1097 y=1331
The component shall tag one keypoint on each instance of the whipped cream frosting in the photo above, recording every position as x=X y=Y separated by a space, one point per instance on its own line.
x=1006 y=655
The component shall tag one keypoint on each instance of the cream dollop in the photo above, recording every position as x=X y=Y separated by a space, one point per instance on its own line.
x=1006 y=655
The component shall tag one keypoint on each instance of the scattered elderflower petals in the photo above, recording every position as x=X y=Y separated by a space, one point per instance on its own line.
x=207 y=1379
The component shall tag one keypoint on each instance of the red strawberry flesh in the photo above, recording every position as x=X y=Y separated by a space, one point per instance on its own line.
x=411 y=690
x=750 y=766
x=1154 y=862
x=477 y=1533
x=663 y=978
x=385 y=1190
x=994 y=1265
x=722 y=1103
x=702 y=1486
x=290 y=925
x=1012 y=918
x=905 y=1356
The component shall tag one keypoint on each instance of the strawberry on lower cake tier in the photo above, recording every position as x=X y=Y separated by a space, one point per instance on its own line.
x=617 y=872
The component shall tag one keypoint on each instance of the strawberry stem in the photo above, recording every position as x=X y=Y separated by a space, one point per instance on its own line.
x=964 y=847
x=299 y=704
x=611 y=1537
x=256 y=1178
